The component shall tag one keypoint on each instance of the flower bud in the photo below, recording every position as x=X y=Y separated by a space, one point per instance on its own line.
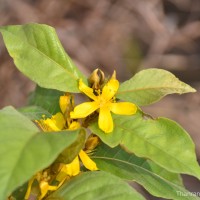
x=96 y=79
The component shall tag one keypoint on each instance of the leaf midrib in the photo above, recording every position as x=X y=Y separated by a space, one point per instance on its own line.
x=150 y=88
x=140 y=168
x=160 y=149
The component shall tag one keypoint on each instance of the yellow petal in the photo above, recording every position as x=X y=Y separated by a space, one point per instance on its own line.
x=110 y=89
x=49 y=125
x=84 y=109
x=87 y=90
x=87 y=162
x=105 y=120
x=123 y=108
x=28 y=192
x=73 y=168
x=64 y=102
x=74 y=126
x=59 y=120
x=56 y=123
x=44 y=186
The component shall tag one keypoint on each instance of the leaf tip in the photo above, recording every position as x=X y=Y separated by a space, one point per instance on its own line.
x=190 y=89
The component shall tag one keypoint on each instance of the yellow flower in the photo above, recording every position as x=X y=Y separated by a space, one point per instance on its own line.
x=58 y=122
x=73 y=168
x=55 y=123
x=105 y=102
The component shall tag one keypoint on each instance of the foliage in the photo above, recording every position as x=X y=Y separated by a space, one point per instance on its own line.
x=43 y=143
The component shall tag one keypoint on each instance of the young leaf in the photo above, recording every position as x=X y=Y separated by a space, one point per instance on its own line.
x=38 y=53
x=96 y=185
x=161 y=140
x=24 y=150
x=150 y=85
x=46 y=98
x=129 y=167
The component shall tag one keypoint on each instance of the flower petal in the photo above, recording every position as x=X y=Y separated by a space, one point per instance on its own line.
x=44 y=187
x=71 y=169
x=55 y=123
x=50 y=125
x=87 y=90
x=75 y=166
x=64 y=102
x=59 y=120
x=87 y=162
x=110 y=89
x=74 y=125
x=84 y=109
x=105 y=120
x=29 y=187
x=123 y=108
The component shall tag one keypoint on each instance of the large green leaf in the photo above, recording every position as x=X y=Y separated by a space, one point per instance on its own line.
x=24 y=150
x=38 y=53
x=150 y=85
x=158 y=182
x=96 y=185
x=46 y=98
x=161 y=140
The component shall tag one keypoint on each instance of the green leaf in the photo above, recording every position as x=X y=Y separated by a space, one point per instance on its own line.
x=129 y=167
x=46 y=98
x=38 y=53
x=34 y=112
x=104 y=152
x=24 y=150
x=96 y=185
x=160 y=171
x=68 y=154
x=150 y=85
x=161 y=140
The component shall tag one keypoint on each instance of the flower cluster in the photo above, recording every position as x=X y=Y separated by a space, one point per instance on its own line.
x=103 y=102
x=58 y=122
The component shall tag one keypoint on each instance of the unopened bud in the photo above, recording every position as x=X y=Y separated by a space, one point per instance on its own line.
x=96 y=79
x=64 y=102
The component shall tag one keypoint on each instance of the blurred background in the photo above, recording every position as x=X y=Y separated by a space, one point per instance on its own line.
x=128 y=36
